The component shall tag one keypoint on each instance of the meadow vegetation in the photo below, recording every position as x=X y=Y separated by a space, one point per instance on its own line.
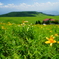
x=31 y=16
x=27 y=41
x=21 y=38
x=18 y=20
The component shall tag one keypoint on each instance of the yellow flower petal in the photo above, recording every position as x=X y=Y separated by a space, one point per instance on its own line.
x=47 y=38
x=47 y=42
x=50 y=44
x=54 y=41
x=51 y=37
x=58 y=42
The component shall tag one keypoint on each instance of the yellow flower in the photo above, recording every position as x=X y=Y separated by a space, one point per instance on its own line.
x=3 y=27
x=58 y=42
x=50 y=31
x=9 y=23
x=56 y=34
x=50 y=40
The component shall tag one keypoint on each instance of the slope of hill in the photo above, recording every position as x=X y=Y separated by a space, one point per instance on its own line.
x=24 y=14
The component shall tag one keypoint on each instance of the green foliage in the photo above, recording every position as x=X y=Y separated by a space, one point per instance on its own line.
x=26 y=41
x=38 y=22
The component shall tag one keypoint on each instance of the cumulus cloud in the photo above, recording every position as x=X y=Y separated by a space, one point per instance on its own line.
x=36 y=6
x=1 y=3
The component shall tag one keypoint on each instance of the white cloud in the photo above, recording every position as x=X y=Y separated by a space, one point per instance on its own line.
x=36 y=6
x=1 y=3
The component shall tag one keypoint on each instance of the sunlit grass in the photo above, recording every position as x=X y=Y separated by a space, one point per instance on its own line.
x=27 y=41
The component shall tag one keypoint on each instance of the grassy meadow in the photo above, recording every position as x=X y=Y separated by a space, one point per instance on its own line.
x=18 y=20
x=28 y=41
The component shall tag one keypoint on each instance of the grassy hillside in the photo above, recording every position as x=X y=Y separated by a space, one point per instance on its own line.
x=20 y=14
x=32 y=17
x=23 y=14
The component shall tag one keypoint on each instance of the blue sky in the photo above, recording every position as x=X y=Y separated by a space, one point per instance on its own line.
x=26 y=1
x=28 y=5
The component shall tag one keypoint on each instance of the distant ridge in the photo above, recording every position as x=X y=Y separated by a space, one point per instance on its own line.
x=24 y=14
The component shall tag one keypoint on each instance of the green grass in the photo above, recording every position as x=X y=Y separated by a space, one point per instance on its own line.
x=30 y=19
x=25 y=41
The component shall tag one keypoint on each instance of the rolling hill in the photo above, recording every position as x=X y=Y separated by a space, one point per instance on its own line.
x=24 y=14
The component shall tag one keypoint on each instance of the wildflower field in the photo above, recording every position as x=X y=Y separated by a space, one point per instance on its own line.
x=27 y=41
